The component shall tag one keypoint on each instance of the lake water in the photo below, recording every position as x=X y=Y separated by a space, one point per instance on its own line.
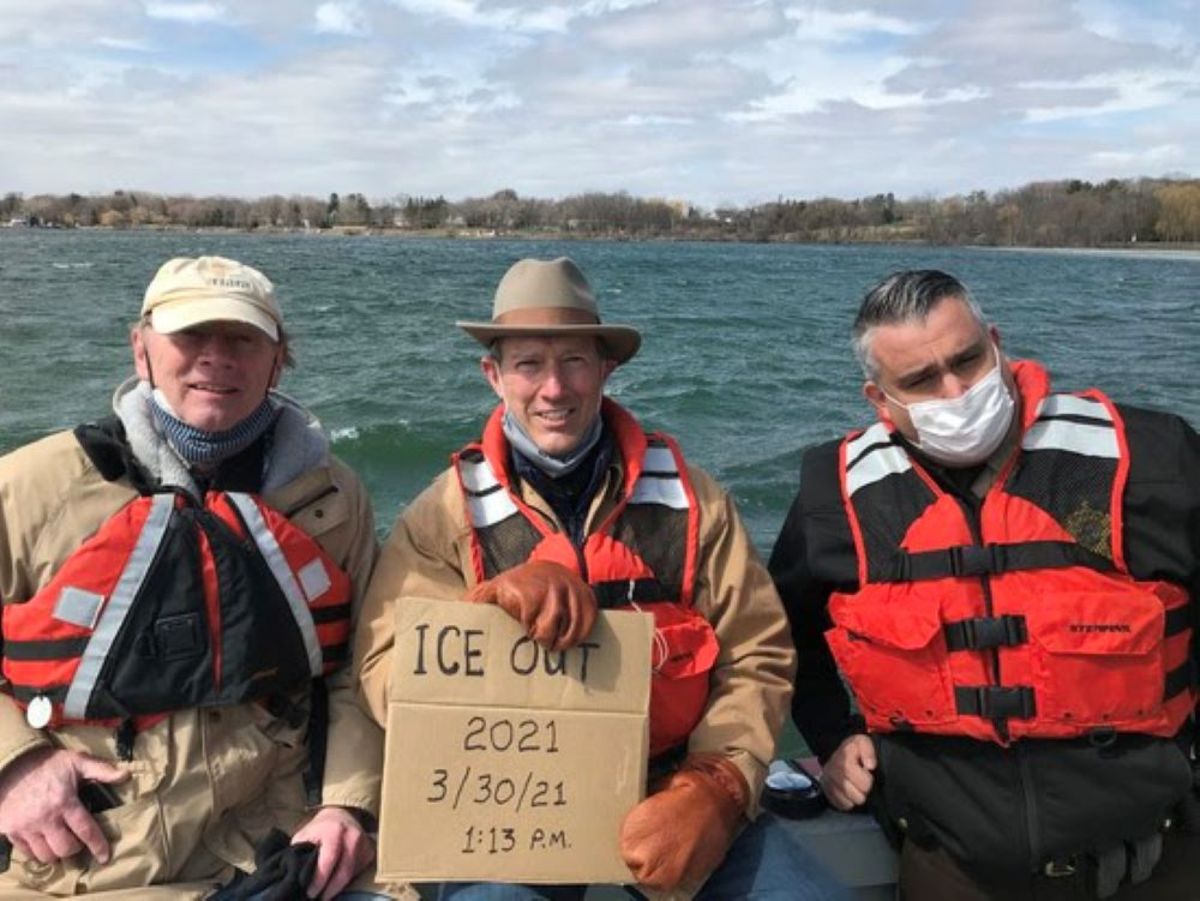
x=745 y=355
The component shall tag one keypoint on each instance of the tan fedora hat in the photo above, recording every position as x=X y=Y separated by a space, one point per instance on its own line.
x=550 y=297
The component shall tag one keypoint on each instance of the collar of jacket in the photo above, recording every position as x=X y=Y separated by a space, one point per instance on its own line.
x=298 y=444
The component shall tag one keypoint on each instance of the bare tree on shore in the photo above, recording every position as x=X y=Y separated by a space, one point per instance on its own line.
x=1071 y=213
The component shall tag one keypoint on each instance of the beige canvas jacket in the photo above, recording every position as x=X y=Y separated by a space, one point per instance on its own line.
x=428 y=555
x=205 y=785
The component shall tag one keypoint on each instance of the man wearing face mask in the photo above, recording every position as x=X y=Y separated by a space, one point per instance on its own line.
x=1006 y=577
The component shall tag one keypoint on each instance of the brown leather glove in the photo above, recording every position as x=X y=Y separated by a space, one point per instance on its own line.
x=556 y=607
x=681 y=833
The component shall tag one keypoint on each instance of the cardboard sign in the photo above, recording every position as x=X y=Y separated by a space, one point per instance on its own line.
x=506 y=762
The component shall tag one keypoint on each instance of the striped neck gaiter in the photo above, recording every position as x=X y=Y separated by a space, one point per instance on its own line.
x=198 y=447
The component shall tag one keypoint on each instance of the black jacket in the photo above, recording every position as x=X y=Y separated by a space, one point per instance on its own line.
x=1003 y=811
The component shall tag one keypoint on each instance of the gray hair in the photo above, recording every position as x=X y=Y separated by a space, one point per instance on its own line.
x=905 y=296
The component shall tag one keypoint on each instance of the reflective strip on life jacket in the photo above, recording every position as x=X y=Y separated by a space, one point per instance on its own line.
x=873 y=456
x=79 y=694
x=1088 y=431
x=269 y=547
x=659 y=481
x=487 y=501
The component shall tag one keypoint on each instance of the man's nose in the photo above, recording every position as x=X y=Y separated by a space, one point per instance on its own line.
x=552 y=384
x=217 y=348
x=954 y=386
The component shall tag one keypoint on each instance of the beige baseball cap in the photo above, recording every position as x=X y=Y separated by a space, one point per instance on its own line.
x=189 y=291
x=550 y=297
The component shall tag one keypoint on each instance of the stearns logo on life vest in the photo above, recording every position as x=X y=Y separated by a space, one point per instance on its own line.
x=173 y=604
x=642 y=556
x=1033 y=627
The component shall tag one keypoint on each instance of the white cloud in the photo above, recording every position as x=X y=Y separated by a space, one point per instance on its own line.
x=128 y=44
x=1121 y=22
x=344 y=18
x=686 y=26
x=831 y=26
x=1148 y=159
x=711 y=100
x=188 y=13
x=1119 y=91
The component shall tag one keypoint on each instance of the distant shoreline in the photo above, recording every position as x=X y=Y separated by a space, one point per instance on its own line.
x=1181 y=250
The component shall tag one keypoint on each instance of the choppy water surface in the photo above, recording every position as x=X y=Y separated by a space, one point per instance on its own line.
x=745 y=355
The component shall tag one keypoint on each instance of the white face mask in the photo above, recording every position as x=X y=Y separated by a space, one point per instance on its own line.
x=965 y=430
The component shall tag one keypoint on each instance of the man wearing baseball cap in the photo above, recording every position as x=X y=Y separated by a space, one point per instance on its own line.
x=179 y=582
x=566 y=505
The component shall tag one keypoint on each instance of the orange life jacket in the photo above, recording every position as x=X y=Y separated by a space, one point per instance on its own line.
x=173 y=604
x=643 y=555
x=1027 y=623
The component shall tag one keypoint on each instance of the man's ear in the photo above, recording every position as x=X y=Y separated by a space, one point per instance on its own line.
x=877 y=399
x=141 y=358
x=277 y=368
x=491 y=371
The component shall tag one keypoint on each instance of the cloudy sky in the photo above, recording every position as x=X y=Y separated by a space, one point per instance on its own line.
x=714 y=101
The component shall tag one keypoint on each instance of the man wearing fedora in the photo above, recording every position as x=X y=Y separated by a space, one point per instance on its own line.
x=176 y=579
x=565 y=506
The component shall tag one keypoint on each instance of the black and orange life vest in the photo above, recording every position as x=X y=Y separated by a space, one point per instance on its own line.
x=643 y=555
x=176 y=604
x=1026 y=622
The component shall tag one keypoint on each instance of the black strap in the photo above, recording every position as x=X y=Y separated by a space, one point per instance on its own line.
x=616 y=592
x=26 y=693
x=978 y=560
x=1179 y=679
x=1178 y=620
x=982 y=632
x=336 y=654
x=332 y=614
x=125 y=735
x=317 y=739
x=995 y=701
x=50 y=649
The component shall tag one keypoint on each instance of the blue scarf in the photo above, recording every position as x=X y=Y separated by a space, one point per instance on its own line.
x=553 y=466
x=198 y=447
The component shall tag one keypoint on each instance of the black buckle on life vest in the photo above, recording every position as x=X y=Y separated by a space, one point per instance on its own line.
x=960 y=560
x=995 y=701
x=973 y=559
x=982 y=632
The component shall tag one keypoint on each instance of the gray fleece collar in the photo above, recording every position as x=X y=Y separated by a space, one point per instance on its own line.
x=298 y=444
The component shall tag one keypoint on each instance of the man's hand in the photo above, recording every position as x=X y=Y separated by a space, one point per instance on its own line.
x=681 y=833
x=849 y=773
x=556 y=607
x=343 y=850
x=40 y=810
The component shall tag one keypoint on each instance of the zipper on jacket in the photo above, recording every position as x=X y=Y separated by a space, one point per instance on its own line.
x=1033 y=833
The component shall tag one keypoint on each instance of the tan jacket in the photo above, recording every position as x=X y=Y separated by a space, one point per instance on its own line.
x=428 y=555
x=206 y=785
